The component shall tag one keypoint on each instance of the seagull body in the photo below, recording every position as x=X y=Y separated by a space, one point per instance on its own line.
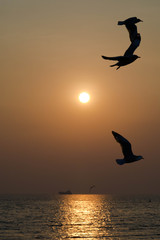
x=129 y=157
x=131 y=27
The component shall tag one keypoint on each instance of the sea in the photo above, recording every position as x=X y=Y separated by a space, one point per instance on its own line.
x=79 y=216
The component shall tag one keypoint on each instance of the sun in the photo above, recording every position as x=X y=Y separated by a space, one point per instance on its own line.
x=84 y=97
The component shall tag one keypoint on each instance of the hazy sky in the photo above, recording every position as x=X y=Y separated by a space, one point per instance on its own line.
x=50 y=53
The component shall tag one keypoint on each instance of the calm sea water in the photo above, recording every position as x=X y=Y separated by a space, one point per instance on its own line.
x=79 y=217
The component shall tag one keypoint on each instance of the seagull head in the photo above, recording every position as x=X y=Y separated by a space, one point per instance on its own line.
x=138 y=20
x=135 y=57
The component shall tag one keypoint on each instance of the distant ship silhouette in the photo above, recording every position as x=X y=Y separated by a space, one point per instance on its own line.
x=66 y=192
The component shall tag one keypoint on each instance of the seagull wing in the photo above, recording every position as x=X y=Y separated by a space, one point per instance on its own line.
x=125 y=144
x=118 y=58
x=132 y=29
x=131 y=20
x=130 y=24
x=133 y=45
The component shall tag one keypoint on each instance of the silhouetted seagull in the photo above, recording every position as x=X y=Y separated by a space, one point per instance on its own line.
x=135 y=38
x=131 y=27
x=129 y=157
x=128 y=56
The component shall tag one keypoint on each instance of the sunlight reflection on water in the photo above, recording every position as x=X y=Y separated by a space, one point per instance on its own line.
x=84 y=216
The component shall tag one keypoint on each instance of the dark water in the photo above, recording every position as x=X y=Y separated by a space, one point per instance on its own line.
x=79 y=217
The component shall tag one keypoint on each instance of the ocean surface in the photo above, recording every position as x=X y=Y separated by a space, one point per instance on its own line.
x=79 y=216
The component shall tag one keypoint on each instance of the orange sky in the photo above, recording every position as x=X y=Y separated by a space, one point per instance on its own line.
x=50 y=52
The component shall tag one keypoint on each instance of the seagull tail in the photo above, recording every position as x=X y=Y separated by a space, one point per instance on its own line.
x=114 y=65
x=120 y=22
x=120 y=161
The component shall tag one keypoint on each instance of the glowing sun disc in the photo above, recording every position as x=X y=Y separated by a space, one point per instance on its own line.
x=84 y=97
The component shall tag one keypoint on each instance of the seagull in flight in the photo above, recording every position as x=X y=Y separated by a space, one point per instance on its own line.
x=129 y=157
x=128 y=56
x=131 y=27
x=135 y=38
